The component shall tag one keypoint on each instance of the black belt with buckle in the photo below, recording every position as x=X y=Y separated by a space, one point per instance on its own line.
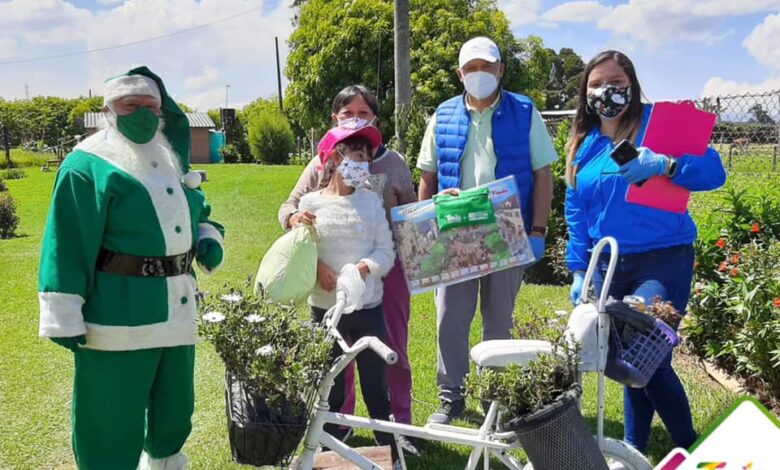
x=144 y=266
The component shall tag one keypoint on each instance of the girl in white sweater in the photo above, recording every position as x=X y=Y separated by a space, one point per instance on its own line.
x=352 y=229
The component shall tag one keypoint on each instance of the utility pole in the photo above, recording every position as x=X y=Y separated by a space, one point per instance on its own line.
x=403 y=76
x=226 y=99
x=27 y=92
x=278 y=74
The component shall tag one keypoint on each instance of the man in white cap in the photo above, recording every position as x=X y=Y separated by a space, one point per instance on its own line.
x=482 y=135
x=116 y=285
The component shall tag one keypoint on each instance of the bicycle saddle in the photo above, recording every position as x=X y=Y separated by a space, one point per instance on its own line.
x=502 y=352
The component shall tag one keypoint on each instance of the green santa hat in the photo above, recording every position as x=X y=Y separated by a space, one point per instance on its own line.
x=142 y=81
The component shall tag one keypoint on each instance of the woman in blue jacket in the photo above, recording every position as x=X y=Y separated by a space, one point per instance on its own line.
x=656 y=246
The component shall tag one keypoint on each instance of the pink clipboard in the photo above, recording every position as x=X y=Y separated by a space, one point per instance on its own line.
x=674 y=129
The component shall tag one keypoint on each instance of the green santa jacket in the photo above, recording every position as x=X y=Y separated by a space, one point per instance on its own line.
x=105 y=198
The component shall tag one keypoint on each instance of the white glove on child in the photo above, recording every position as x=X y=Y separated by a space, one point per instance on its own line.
x=357 y=289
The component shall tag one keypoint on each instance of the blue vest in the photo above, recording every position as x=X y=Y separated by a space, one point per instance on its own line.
x=511 y=132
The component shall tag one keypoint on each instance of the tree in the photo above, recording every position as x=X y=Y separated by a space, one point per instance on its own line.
x=270 y=136
x=336 y=45
x=760 y=115
x=564 y=79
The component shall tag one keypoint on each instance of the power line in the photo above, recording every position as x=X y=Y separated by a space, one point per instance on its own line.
x=131 y=43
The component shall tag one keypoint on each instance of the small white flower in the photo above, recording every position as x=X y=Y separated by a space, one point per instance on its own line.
x=561 y=313
x=254 y=318
x=265 y=351
x=213 y=317
x=233 y=298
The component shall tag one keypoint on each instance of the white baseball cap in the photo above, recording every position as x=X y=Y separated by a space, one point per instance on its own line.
x=478 y=48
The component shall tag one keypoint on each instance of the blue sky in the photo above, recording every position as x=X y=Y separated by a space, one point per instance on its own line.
x=681 y=48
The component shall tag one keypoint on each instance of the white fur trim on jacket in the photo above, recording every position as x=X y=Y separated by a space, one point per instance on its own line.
x=206 y=230
x=61 y=315
x=126 y=85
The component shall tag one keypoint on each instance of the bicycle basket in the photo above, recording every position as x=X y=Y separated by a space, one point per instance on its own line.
x=260 y=435
x=557 y=436
x=638 y=343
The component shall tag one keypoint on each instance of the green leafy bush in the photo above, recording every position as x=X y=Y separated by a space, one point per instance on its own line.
x=271 y=138
x=12 y=174
x=3 y=187
x=265 y=345
x=735 y=304
x=9 y=221
x=524 y=389
x=551 y=269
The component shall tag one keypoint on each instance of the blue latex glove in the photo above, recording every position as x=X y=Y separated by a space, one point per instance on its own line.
x=537 y=245
x=575 y=293
x=209 y=253
x=646 y=165
x=71 y=343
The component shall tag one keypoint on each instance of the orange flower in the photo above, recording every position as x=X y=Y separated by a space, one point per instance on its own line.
x=723 y=267
x=755 y=228
x=734 y=272
x=720 y=243
x=734 y=259
x=695 y=264
x=776 y=302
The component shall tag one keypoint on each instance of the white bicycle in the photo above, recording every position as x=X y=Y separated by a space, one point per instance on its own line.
x=487 y=441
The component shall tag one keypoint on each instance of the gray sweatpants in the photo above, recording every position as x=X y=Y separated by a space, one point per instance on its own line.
x=455 y=308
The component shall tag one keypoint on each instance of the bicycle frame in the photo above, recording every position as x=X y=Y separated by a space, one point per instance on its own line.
x=483 y=440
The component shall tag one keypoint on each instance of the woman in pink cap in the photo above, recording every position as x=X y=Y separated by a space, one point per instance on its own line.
x=355 y=106
x=353 y=234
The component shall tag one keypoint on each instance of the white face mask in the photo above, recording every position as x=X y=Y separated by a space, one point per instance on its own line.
x=355 y=123
x=480 y=85
x=353 y=173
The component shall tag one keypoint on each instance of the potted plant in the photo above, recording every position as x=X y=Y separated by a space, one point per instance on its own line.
x=539 y=402
x=273 y=358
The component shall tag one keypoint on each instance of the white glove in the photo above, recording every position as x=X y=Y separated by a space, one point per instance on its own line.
x=351 y=283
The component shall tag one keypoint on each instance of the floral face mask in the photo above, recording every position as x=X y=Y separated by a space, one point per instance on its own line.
x=353 y=173
x=609 y=100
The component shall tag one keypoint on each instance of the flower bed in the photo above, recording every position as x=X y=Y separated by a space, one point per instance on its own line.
x=734 y=318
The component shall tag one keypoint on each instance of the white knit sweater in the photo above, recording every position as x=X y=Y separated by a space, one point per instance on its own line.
x=350 y=229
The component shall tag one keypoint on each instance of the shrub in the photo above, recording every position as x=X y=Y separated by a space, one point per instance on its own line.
x=551 y=269
x=9 y=221
x=3 y=187
x=12 y=174
x=735 y=305
x=265 y=345
x=271 y=138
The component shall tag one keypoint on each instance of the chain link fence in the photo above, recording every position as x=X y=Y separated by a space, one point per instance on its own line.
x=747 y=133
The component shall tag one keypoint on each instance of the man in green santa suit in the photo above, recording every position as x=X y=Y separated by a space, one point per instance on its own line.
x=116 y=285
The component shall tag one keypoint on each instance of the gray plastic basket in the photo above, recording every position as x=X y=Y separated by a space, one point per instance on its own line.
x=557 y=437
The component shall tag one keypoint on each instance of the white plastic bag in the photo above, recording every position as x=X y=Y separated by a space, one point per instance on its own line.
x=583 y=328
x=358 y=290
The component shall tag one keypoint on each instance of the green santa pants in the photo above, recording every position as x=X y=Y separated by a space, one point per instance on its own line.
x=128 y=401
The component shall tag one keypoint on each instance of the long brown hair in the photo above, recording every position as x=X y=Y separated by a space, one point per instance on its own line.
x=587 y=118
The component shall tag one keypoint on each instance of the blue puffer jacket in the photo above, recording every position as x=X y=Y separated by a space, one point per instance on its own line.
x=597 y=206
x=511 y=134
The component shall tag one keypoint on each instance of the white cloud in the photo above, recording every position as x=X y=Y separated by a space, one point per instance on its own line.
x=763 y=42
x=718 y=86
x=194 y=64
x=7 y=48
x=658 y=22
x=110 y=2
x=208 y=77
x=521 y=12
x=577 y=12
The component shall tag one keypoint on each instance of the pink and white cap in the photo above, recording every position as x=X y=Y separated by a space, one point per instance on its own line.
x=338 y=134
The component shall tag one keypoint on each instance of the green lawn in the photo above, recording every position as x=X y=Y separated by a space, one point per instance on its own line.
x=35 y=375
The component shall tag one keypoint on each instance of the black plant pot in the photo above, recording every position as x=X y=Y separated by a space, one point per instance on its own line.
x=557 y=437
x=260 y=435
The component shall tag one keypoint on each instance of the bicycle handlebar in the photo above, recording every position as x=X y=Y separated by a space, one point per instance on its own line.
x=387 y=354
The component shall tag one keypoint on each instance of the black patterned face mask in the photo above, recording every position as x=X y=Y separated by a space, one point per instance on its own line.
x=609 y=100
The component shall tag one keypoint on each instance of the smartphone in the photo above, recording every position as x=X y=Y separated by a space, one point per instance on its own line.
x=624 y=152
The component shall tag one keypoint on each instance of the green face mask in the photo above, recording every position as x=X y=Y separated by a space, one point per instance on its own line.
x=138 y=126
